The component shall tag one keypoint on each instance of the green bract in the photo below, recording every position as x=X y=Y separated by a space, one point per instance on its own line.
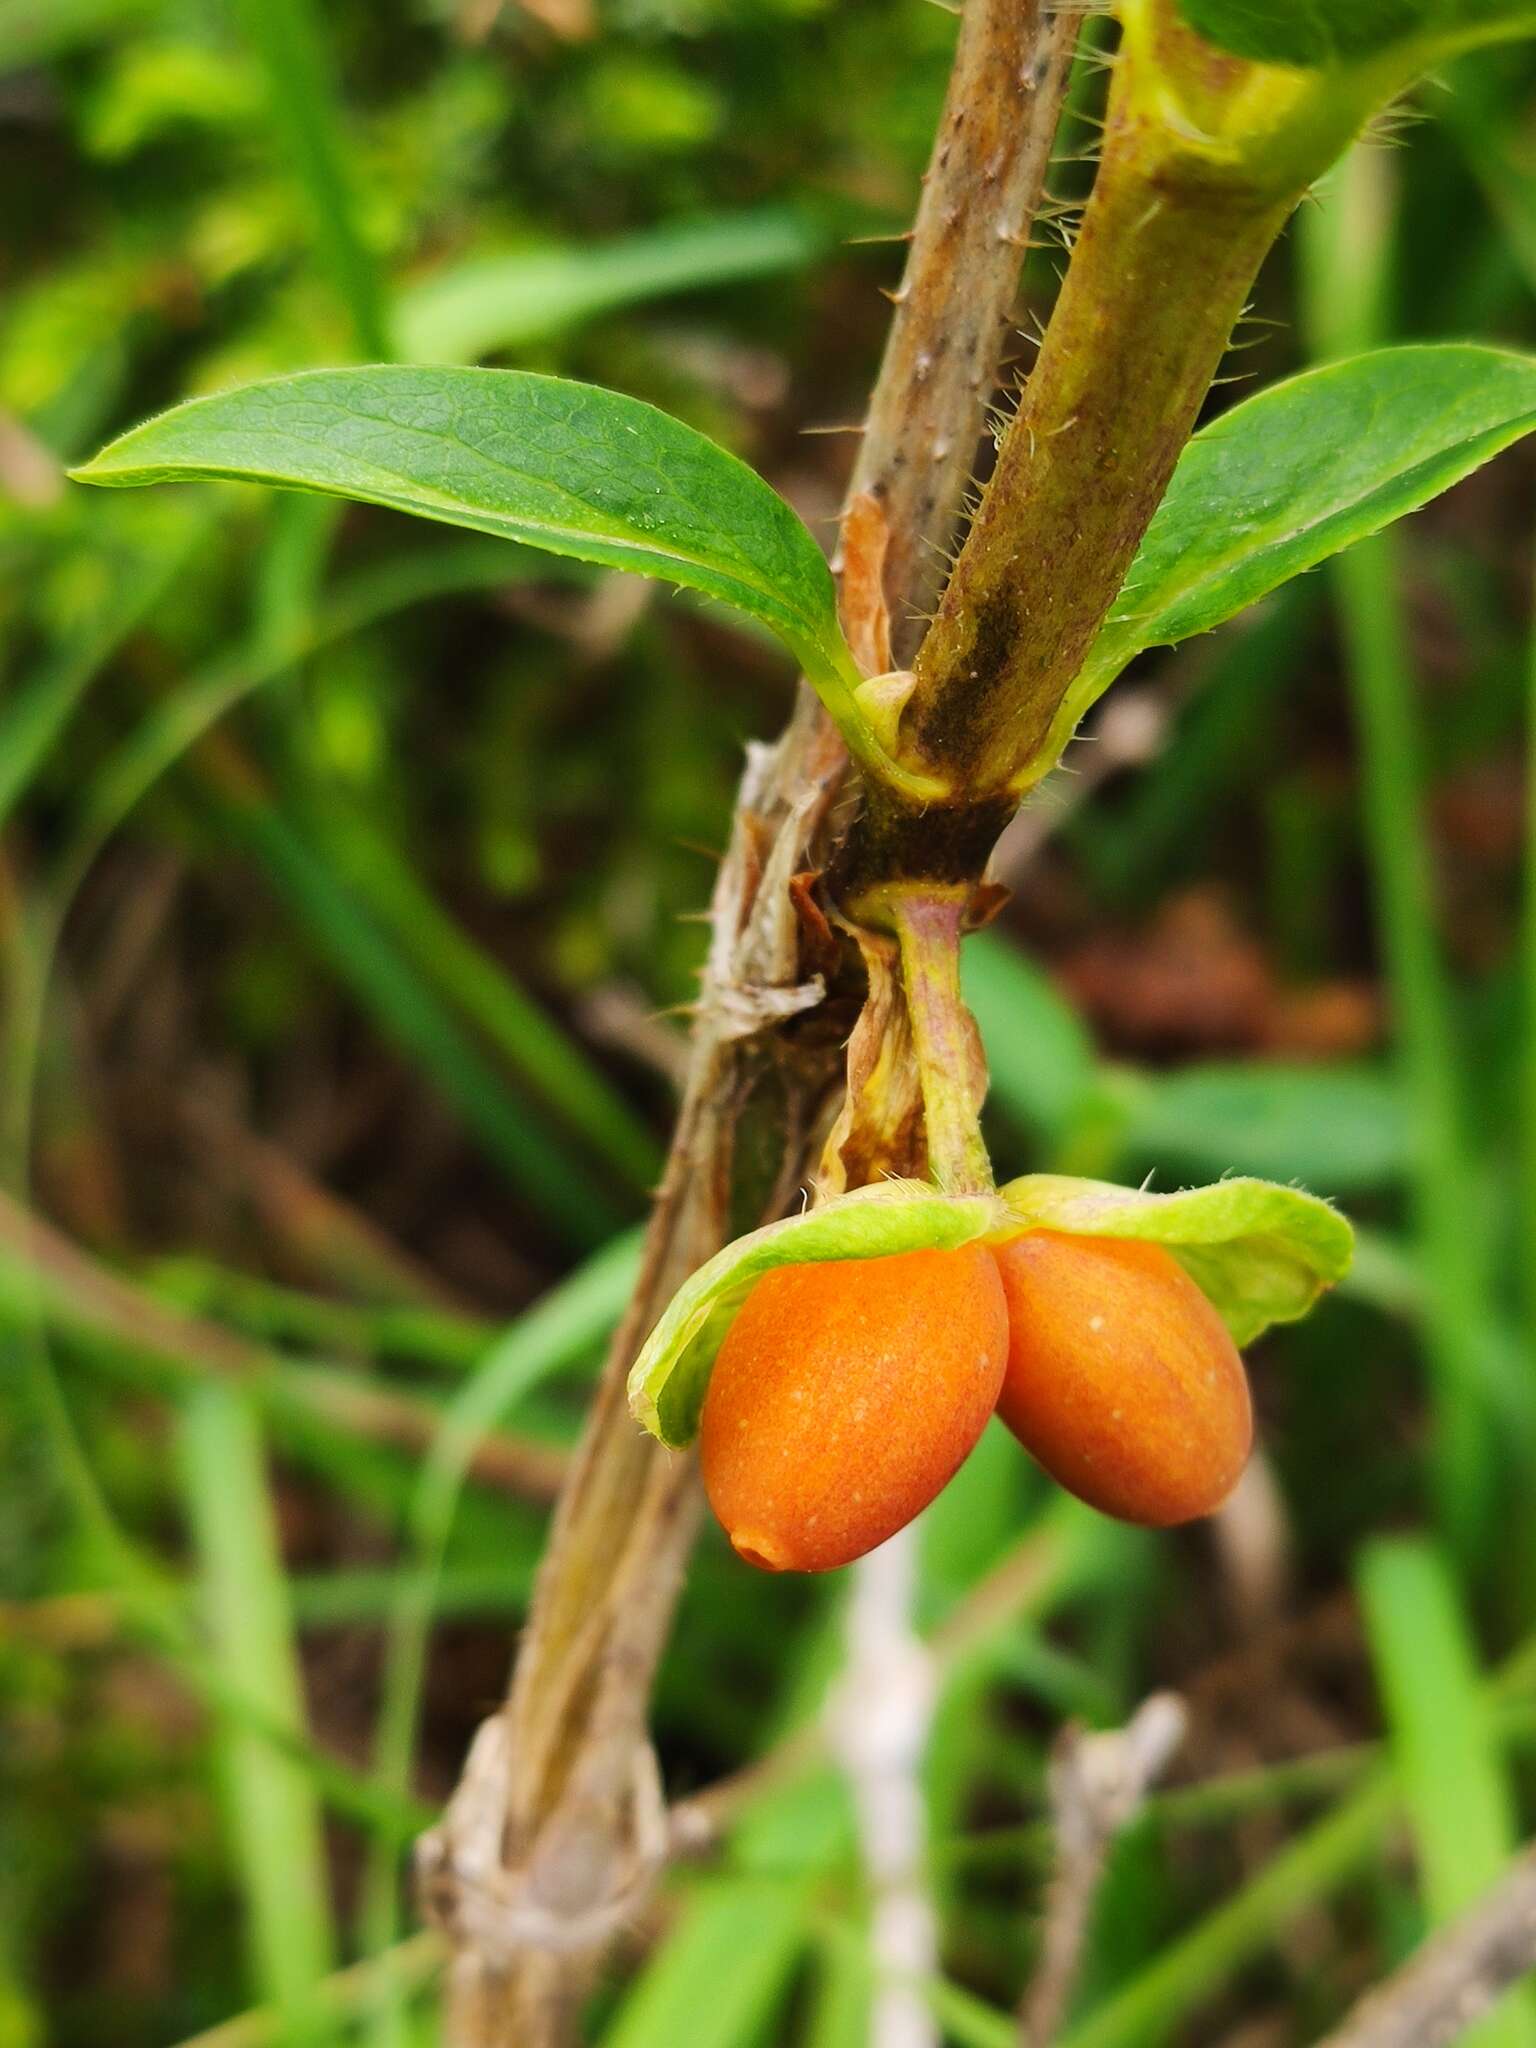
x=1262 y=1253
x=666 y=1387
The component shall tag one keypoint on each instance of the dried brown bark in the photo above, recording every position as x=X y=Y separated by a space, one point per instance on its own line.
x=557 y=1828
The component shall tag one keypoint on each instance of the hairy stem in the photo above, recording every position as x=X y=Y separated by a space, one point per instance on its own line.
x=1160 y=273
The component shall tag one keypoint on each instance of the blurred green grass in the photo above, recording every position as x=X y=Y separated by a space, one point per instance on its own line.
x=345 y=901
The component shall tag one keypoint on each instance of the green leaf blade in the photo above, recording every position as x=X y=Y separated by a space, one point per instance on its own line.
x=292 y=39
x=722 y=1972
x=556 y=464
x=1302 y=471
x=1345 y=1128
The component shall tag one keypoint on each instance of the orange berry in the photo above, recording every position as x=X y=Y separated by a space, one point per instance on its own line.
x=845 y=1396
x=1122 y=1380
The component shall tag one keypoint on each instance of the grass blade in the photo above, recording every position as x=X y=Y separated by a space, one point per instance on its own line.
x=289 y=36
x=1344 y=293
x=273 y=1809
x=1448 y=1760
x=840 y=2000
x=409 y=1967
x=449 y=1340
x=721 y=1974
x=415 y=576
x=1526 y=1220
x=484 y=304
x=411 y=1015
x=533 y=1046
x=36 y=714
x=1191 y=1969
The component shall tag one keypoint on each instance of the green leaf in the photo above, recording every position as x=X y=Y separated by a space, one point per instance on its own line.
x=1332 y=32
x=556 y=464
x=1262 y=1253
x=1289 y=478
x=840 y=1998
x=666 y=1387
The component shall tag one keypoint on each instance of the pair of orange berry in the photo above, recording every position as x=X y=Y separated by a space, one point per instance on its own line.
x=847 y=1394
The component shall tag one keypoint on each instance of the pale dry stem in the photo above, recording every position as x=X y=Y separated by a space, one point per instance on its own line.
x=1097 y=1785
x=551 y=1840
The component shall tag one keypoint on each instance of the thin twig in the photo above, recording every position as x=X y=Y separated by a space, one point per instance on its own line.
x=954 y=308
x=1097 y=1785
x=1457 y=1976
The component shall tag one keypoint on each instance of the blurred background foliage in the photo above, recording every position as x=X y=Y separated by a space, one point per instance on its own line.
x=347 y=896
